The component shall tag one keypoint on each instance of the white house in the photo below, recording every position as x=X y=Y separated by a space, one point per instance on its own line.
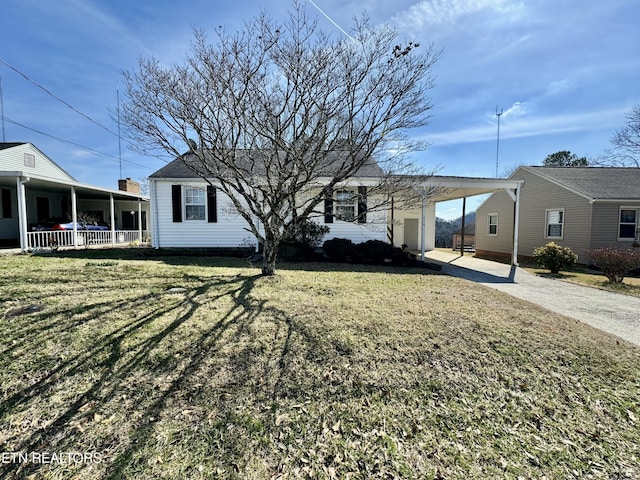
x=187 y=211
x=34 y=188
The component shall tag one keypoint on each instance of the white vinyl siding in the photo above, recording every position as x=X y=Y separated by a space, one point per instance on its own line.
x=554 y=223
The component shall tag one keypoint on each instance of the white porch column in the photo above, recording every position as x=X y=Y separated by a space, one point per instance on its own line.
x=423 y=229
x=430 y=241
x=112 y=219
x=22 y=212
x=516 y=228
x=140 y=220
x=74 y=216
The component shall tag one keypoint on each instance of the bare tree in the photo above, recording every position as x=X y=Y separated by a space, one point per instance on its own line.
x=626 y=142
x=282 y=114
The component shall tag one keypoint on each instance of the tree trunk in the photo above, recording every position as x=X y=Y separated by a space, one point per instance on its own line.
x=269 y=256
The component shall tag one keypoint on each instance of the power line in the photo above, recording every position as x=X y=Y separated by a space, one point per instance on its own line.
x=87 y=149
x=48 y=92
x=330 y=19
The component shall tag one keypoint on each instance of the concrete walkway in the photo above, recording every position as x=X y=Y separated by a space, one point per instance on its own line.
x=612 y=312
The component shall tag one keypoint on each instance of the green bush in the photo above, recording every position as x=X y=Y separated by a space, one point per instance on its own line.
x=374 y=251
x=308 y=233
x=339 y=249
x=615 y=263
x=554 y=257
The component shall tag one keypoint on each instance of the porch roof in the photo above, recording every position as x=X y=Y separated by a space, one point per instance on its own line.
x=8 y=179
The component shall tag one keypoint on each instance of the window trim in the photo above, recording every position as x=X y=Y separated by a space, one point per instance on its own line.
x=202 y=192
x=636 y=224
x=489 y=224
x=547 y=224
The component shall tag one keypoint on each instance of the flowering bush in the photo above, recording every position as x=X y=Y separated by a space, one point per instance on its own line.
x=615 y=263
x=554 y=257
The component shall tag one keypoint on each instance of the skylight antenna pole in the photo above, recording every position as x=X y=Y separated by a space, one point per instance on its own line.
x=498 y=139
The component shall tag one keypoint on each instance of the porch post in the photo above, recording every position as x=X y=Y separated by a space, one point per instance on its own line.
x=22 y=212
x=112 y=219
x=74 y=216
x=423 y=232
x=516 y=228
x=140 y=221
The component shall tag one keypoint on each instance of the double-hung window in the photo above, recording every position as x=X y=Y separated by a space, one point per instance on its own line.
x=554 y=223
x=493 y=224
x=195 y=203
x=628 y=223
x=345 y=206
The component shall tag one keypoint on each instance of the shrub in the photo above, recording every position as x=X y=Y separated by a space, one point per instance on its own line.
x=309 y=233
x=615 y=263
x=339 y=249
x=554 y=257
x=374 y=251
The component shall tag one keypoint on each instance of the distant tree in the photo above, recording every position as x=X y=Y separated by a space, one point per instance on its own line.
x=565 y=158
x=282 y=114
x=626 y=142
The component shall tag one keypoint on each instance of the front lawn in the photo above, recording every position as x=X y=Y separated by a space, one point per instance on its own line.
x=115 y=365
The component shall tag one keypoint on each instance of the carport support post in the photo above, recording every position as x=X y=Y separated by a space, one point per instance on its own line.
x=464 y=213
x=516 y=228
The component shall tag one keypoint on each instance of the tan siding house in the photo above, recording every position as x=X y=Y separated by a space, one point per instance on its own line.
x=579 y=207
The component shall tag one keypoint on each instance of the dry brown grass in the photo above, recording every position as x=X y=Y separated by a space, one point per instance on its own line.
x=178 y=367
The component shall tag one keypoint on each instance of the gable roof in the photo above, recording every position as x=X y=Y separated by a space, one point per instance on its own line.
x=594 y=183
x=178 y=168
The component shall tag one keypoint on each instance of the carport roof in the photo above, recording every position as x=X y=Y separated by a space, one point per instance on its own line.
x=451 y=188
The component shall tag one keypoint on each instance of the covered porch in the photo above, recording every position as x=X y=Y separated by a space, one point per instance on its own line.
x=30 y=200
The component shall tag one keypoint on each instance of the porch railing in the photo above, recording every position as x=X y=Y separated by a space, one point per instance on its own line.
x=64 y=238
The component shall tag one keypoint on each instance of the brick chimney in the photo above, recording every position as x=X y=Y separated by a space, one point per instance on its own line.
x=128 y=185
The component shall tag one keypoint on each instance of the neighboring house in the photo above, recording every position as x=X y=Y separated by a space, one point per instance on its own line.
x=33 y=188
x=579 y=207
x=187 y=211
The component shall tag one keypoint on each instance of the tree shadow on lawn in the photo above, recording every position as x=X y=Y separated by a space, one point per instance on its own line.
x=135 y=371
x=185 y=257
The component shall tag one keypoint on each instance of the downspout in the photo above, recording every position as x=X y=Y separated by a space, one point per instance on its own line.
x=155 y=237
x=22 y=211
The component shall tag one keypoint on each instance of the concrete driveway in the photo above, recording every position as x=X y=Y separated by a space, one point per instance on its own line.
x=611 y=312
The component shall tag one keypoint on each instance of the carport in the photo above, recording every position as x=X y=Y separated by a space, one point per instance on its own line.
x=444 y=188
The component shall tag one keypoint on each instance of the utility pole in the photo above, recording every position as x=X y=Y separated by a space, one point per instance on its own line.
x=498 y=140
x=119 y=142
x=2 y=111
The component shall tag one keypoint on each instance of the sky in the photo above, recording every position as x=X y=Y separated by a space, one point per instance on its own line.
x=564 y=74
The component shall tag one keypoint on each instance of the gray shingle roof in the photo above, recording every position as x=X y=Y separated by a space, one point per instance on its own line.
x=597 y=183
x=178 y=168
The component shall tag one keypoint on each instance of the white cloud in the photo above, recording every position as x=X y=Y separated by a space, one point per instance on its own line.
x=520 y=126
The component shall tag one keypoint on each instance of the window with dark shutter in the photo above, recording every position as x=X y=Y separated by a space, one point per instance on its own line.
x=362 y=204
x=212 y=205
x=328 y=207
x=176 y=202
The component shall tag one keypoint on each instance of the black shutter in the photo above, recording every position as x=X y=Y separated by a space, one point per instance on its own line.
x=362 y=204
x=176 y=202
x=212 y=204
x=328 y=206
x=6 y=203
